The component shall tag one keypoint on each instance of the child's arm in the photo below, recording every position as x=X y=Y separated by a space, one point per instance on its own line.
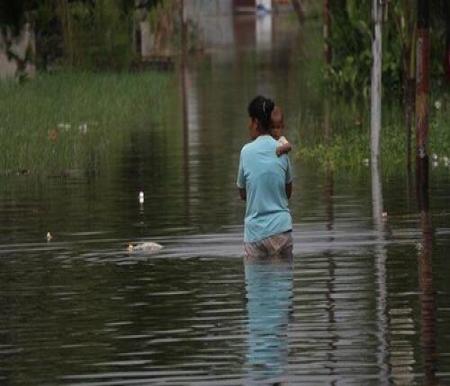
x=284 y=149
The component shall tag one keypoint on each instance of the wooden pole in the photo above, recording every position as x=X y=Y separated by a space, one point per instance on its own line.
x=375 y=116
x=422 y=78
x=409 y=76
x=428 y=313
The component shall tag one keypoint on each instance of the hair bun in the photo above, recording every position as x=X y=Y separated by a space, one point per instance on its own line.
x=261 y=108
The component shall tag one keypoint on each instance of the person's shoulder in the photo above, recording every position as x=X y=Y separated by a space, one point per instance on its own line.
x=248 y=147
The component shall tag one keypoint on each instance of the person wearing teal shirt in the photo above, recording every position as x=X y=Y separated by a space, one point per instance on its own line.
x=265 y=183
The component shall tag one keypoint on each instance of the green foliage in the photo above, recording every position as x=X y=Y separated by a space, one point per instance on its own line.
x=102 y=35
x=349 y=145
x=95 y=35
x=351 y=44
x=351 y=40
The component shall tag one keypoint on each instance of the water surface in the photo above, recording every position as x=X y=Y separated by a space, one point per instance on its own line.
x=363 y=303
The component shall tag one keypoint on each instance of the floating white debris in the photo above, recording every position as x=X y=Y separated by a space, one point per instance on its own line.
x=366 y=161
x=49 y=236
x=437 y=105
x=141 y=197
x=145 y=247
x=434 y=157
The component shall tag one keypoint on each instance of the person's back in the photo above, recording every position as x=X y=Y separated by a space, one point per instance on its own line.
x=265 y=183
x=264 y=177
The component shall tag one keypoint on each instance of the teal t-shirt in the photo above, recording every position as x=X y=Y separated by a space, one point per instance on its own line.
x=264 y=176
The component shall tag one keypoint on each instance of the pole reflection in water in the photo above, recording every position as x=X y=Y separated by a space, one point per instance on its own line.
x=329 y=221
x=380 y=269
x=427 y=293
x=269 y=306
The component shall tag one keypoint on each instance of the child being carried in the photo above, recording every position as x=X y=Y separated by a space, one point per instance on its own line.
x=276 y=132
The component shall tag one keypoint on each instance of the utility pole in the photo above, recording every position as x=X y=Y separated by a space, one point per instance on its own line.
x=375 y=112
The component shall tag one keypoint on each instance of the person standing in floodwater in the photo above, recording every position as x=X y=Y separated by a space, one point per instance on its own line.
x=265 y=183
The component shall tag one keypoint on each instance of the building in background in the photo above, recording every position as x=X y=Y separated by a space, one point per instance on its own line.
x=213 y=21
x=249 y=6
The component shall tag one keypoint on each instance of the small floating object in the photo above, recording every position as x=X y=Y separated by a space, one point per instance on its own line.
x=49 y=236
x=434 y=157
x=141 y=197
x=146 y=247
x=384 y=214
x=437 y=105
x=366 y=161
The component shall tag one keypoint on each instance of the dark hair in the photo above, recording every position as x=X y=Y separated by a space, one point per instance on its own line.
x=260 y=108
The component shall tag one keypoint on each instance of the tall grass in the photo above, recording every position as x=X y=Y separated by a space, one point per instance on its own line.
x=67 y=121
x=349 y=144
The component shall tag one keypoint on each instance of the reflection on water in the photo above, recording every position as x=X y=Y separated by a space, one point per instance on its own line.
x=269 y=304
x=380 y=268
x=425 y=268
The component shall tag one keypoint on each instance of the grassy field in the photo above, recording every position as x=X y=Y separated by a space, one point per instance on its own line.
x=76 y=121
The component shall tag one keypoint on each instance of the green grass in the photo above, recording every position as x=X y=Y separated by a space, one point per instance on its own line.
x=67 y=121
x=349 y=145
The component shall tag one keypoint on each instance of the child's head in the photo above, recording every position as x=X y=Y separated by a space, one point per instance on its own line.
x=277 y=122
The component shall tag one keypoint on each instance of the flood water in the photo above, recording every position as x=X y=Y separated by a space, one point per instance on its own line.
x=365 y=301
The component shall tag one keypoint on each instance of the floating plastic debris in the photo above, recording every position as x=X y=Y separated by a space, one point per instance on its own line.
x=145 y=247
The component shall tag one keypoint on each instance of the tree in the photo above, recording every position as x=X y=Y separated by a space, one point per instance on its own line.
x=447 y=39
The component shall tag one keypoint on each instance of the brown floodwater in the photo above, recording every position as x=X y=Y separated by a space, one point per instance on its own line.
x=364 y=302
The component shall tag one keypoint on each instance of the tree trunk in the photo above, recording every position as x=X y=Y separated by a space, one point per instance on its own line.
x=328 y=54
x=298 y=8
x=447 y=46
x=66 y=29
